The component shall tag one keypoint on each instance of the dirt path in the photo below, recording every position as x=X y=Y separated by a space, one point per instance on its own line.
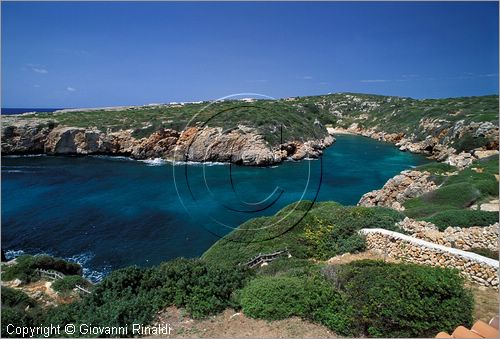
x=485 y=302
x=42 y=292
x=232 y=324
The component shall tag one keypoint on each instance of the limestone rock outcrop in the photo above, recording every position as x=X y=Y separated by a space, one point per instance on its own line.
x=406 y=185
x=241 y=145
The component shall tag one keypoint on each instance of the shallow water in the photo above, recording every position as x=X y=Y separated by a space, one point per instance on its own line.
x=107 y=213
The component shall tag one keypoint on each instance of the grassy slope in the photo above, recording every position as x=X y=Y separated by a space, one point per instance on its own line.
x=297 y=116
x=448 y=205
x=328 y=229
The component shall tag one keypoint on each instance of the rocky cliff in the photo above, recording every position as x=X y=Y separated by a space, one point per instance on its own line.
x=241 y=145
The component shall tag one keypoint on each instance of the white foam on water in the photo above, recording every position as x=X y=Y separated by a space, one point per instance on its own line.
x=154 y=162
x=83 y=259
x=163 y=162
x=24 y=155
x=11 y=254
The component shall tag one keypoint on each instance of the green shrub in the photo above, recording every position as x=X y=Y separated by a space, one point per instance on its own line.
x=280 y=297
x=133 y=295
x=463 y=218
x=47 y=262
x=25 y=267
x=202 y=288
x=488 y=187
x=326 y=230
x=16 y=298
x=436 y=168
x=275 y=298
x=468 y=142
x=458 y=195
x=328 y=235
x=403 y=300
x=69 y=282
x=457 y=192
x=15 y=316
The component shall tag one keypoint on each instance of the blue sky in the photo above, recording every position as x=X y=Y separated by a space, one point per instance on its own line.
x=102 y=54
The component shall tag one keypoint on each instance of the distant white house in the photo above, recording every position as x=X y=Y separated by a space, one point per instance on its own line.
x=248 y=100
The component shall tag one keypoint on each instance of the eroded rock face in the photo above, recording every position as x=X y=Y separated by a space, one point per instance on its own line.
x=236 y=146
x=25 y=138
x=70 y=140
x=441 y=136
x=157 y=145
x=404 y=186
x=242 y=145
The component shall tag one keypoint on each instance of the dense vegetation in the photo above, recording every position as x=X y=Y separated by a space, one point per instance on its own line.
x=134 y=295
x=69 y=282
x=364 y=298
x=403 y=300
x=328 y=229
x=25 y=269
x=298 y=116
x=449 y=204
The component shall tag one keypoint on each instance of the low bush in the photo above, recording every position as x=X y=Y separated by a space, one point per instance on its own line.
x=202 y=288
x=26 y=265
x=469 y=142
x=328 y=229
x=133 y=295
x=279 y=297
x=331 y=234
x=463 y=218
x=16 y=316
x=472 y=185
x=459 y=195
x=16 y=298
x=403 y=300
x=436 y=168
x=69 y=282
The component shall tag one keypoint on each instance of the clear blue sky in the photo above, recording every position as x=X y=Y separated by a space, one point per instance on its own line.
x=96 y=54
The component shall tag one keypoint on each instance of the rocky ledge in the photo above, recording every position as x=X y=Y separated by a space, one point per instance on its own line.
x=241 y=145
x=404 y=186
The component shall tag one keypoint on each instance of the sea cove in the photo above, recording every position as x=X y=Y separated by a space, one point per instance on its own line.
x=107 y=213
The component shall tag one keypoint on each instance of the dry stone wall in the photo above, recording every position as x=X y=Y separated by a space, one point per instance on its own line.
x=463 y=238
x=475 y=267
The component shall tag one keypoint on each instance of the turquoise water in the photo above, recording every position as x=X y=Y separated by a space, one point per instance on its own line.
x=108 y=213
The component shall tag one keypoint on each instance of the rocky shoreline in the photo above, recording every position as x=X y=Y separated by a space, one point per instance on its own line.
x=439 y=142
x=242 y=145
x=398 y=189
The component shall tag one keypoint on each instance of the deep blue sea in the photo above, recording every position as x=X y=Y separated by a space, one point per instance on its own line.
x=11 y=111
x=108 y=212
